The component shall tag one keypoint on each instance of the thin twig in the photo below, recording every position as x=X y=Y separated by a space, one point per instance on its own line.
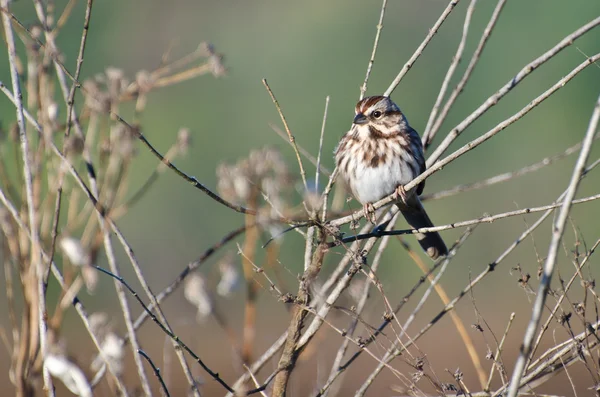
x=293 y=347
x=156 y=371
x=434 y=29
x=557 y=233
x=466 y=75
x=478 y=141
x=209 y=252
x=471 y=222
x=451 y=69
x=566 y=288
x=321 y=144
x=363 y=88
x=301 y=149
x=76 y=302
x=504 y=177
x=497 y=355
x=324 y=391
x=36 y=258
x=458 y=323
x=393 y=350
x=490 y=268
x=287 y=129
x=568 y=349
x=512 y=83
x=165 y=328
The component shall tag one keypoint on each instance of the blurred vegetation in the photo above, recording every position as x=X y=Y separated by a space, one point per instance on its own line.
x=313 y=49
x=308 y=50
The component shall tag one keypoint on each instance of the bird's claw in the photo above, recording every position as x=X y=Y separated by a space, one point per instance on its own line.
x=400 y=193
x=370 y=212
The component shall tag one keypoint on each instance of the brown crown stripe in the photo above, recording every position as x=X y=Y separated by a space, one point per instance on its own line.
x=366 y=103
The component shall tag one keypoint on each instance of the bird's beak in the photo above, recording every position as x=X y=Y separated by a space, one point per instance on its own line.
x=360 y=119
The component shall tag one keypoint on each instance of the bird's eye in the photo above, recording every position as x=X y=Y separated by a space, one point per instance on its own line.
x=377 y=114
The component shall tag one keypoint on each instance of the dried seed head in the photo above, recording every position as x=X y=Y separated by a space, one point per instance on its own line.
x=70 y=374
x=230 y=277
x=36 y=31
x=113 y=352
x=123 y=141
x=90 y=278
x=233 y=184
x=96 y=100
x=116 y=83
x=356 y=289
x=74 y=145
x=215 y=60
x=74 y=251
x=52 y=111
x=99 y=324
x=196 y=293
x=144 y=81
x=184 y=140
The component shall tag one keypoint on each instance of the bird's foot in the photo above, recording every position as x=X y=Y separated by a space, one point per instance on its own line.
x=370 y=212
x=400 y=193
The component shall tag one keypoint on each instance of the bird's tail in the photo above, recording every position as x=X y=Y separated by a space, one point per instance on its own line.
x=415 y=215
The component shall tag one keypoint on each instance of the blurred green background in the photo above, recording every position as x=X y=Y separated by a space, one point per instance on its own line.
x=307 y=51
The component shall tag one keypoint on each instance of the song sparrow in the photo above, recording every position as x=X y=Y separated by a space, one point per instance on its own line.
x=378 y=156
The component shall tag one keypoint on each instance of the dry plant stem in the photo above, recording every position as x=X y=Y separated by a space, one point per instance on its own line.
x=185 y=272
x=491 y=267
x=431 y=132
x=497 y=356
x=458 y=323
x=363 y=88
x=35 y=250
x=421 y=47
x=190 y=179
x=471 y=222
x=557 y=233
x=156 y=371
x=71 y=99
x=393 y=351
x=165 y=328
x=256 y=384
x=350 y=254
x=250 y=241
x=512 y=83
x=70 y=104
x=326 y=192
x=568 y=349
x=62 y=71
x=292 y=348
x=324 y=391
x=287 y=129
x=340 y=286
x=543 y=359
x=76 y=302
x=318 y=166
x=551 y=316
x=65 y=15
x=112 y=261
x=258 y=364
x=451 y=69
x=301 y=149
x=546 y=161
x=478 y=141
x=134 y=263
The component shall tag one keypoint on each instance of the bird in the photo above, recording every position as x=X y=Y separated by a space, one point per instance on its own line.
x=378 y=156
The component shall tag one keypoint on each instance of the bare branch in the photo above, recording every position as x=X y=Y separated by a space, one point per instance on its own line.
x=557 y=233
